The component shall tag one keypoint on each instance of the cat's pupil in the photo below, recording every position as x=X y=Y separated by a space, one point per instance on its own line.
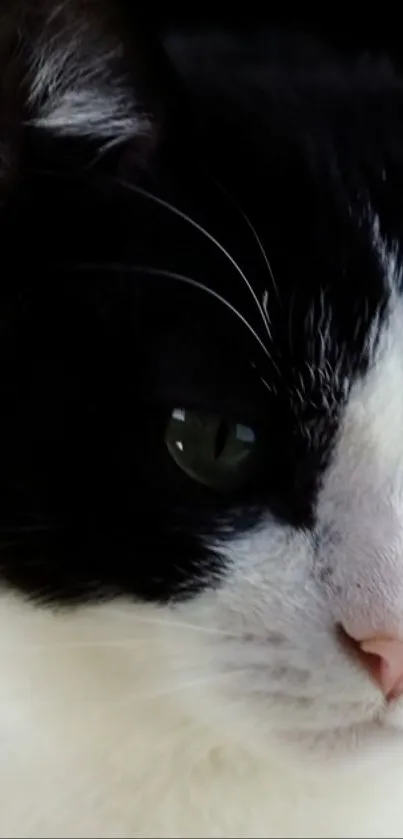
x=221 y=439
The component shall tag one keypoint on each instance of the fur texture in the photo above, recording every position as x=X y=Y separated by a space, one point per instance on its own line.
x=208 y=222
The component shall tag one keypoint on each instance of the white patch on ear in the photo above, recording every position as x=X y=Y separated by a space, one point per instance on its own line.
x=78 y=85
x=98 y=113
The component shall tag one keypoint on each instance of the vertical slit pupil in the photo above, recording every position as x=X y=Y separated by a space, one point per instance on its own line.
x=221 y=439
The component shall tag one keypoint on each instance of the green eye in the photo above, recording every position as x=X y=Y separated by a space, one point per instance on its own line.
x=211 y=450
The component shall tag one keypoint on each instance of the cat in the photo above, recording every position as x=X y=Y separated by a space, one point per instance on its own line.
x=201 y=484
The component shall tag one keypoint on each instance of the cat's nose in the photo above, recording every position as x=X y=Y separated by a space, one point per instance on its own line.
x=385 y=661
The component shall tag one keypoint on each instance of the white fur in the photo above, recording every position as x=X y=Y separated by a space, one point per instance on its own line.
x=103 y=735
x=237 y=713
x=77 y=84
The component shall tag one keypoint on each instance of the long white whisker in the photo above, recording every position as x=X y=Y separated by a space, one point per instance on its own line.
x=256 y=236
x=208 y=235
x=200 y=680
x=265 y=384
x=265 y=303
x=132 y=696
x=70 y=645
x=215 y=294
x=121 y=643
x=168 y=622
x=173 y=275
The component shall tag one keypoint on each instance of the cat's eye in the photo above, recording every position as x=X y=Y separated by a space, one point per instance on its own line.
x=214 y=451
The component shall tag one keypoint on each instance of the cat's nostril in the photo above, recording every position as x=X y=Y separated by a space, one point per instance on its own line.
x=390 y=653
x=369 y=661
x=382 y=657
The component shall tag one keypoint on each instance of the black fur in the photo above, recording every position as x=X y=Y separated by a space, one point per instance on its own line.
x=302 y=136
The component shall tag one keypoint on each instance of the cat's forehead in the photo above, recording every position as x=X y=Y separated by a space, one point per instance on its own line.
x=284 y=230
x=307 y=139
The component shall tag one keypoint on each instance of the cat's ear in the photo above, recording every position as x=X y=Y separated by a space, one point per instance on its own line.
x=78 y=72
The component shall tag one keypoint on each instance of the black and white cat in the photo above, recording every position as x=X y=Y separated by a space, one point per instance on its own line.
x=201 y=482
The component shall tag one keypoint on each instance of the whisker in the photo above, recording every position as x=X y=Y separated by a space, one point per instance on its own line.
x=132 y=696
x=121 y=643
x=201 y=229
x=168 y=622
x=70 y=645
x=265 y=384
x=256 y=236
x=173 y=275
x=265 y=303
x=198 y=682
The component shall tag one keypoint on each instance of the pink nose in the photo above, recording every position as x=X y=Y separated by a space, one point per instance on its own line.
x=388 y=669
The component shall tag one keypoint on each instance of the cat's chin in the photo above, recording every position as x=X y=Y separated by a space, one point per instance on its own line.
x=366 y=740
x=341 y=742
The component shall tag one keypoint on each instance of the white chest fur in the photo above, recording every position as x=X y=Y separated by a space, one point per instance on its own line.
x=90 y=746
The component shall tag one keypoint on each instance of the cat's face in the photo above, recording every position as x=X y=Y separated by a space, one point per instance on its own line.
x=202 y=366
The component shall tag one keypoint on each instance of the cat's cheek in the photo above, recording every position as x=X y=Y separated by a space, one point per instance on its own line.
x=269 y=643
x=359 y=550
